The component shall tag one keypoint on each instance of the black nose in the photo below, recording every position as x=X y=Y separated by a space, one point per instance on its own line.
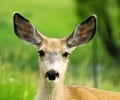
x=52 y=74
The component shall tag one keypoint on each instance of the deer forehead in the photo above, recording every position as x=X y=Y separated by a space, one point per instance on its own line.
x=53 y=44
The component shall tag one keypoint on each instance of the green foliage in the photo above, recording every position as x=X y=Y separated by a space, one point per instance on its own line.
x=19 y=72
x=108 y=45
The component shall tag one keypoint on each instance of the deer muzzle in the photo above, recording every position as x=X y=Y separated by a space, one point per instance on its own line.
x=52 y=75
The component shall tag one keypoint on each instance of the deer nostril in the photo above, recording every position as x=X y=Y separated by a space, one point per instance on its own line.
x=52 y=75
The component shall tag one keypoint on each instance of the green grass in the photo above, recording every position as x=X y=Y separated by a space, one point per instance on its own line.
x=16 y=84
x=19 y=72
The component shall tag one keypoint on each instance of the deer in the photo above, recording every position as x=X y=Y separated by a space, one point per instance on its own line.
x=54 y=57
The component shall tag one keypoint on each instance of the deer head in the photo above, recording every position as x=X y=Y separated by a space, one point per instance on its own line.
x=53 y=52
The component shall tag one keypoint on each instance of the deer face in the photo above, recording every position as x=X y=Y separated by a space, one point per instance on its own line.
x=54 y=55
x=54 y=52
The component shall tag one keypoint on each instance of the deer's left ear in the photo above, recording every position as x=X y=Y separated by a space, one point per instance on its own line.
x=83 y=33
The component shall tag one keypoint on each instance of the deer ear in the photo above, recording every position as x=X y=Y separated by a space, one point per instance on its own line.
x=83 y=33
x=25 y=30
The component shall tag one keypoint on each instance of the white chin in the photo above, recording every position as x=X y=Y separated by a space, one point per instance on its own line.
x=53 y=81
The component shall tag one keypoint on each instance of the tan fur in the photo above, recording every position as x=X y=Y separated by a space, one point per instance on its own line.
x=58 y=91
x=83 y=93
x=54 y=59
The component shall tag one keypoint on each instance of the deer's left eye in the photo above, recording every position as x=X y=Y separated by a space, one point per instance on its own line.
x=66 y=54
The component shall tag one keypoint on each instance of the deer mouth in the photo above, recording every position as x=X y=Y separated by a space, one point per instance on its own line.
x=52 y=75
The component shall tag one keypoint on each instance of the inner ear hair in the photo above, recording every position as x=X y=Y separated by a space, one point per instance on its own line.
x=83 y=33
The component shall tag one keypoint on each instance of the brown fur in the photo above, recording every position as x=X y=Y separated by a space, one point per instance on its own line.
x=61 y=92
x=54 y=59
x=83 y=93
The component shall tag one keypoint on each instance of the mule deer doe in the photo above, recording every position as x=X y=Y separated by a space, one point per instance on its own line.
x=53 y=54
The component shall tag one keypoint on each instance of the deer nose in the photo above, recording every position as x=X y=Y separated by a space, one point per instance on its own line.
x=52 y=75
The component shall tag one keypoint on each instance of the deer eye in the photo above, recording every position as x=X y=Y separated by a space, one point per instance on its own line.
x=66 y=54
x=41 y=53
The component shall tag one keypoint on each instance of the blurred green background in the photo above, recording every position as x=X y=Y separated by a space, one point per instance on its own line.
x=95 y=65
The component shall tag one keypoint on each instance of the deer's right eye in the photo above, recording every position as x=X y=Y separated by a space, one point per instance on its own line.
x=41 y=53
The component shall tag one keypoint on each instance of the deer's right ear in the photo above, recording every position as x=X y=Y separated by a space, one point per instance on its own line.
x=25 y=30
